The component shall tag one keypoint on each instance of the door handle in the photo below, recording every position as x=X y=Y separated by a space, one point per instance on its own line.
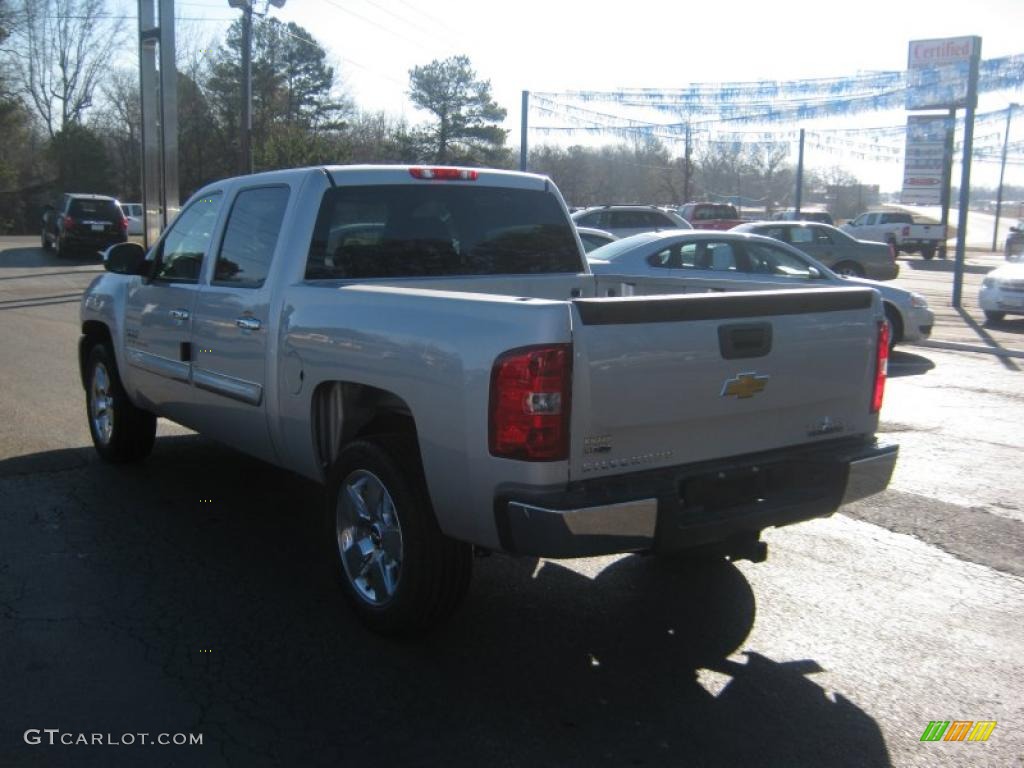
x=179 y=314
x=248 y=323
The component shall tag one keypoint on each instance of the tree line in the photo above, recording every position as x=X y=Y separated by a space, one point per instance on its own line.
x=72 y=122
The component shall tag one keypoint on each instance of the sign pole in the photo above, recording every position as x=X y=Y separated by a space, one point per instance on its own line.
x=947 y=180
x=800 y=175
x=523 y=131
x=965 y=175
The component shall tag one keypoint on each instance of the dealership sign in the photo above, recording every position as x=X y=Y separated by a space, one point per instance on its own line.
x=938 y=71
x=925 y=159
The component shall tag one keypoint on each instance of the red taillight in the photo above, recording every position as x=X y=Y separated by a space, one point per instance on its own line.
x=444 y=174
x=529 y=408
x=881 y=366
x=124 y=223
x=69 y=223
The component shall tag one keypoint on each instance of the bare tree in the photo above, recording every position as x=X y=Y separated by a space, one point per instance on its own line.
x=62 y=48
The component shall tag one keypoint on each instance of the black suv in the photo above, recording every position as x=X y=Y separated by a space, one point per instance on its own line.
x=83 y=222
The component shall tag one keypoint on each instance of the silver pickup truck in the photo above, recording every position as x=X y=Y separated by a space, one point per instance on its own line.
x=430 y=344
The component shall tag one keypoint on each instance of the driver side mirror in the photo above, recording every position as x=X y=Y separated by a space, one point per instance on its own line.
x=126 y=259
x=1015 y=229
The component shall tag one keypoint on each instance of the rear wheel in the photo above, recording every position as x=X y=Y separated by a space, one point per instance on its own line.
x=44 y=241
x=892 y=316
x=400 y=573
x=849 y=269
x=120 y=431
x=994 y=316
x=928 y=253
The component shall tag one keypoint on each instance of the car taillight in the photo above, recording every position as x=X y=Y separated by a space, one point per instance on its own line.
x=444 y=174
x=124 y=224
x=881 y=366
x=69 y=223
x=529 y=407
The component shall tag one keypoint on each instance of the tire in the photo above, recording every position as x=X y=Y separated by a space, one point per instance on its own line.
x=849 y=269
x=994 y=316
x=400 y=573
x=44 y=241
x=928 y=253
x=891 y=242
x=121 y=432
x=61 y=250
x=895 y=325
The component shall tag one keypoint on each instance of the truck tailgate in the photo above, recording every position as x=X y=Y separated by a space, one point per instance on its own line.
x=669 y=380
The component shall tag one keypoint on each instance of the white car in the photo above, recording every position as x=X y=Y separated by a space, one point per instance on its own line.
x=594 y=238
x=764 y=260
x=133 y=212
x=1002 y=292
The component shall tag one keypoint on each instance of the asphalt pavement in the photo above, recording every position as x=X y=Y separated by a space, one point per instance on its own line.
x=192 y=594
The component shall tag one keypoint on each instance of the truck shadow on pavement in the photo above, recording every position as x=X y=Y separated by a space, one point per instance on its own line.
x=902 y=363
x=193 y=592
x=37 y=257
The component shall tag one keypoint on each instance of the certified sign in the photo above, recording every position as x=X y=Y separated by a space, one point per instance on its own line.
x=938 y=70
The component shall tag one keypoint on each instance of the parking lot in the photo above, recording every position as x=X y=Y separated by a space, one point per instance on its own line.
x=192 y=594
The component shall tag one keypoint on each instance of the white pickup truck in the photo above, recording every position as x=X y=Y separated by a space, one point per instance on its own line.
x=430 y=345
x=897 y=228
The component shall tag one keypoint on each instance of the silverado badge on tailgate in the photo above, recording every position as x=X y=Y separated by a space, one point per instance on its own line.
x=744 y=385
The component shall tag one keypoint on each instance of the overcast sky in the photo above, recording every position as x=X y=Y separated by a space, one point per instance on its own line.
x=557 y=46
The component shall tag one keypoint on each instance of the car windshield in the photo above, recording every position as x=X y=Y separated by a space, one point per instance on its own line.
x=615 y=250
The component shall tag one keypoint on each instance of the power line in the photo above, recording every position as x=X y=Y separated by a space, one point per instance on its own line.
x=373 y=23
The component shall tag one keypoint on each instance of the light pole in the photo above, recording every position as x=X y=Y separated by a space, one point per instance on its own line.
x=245 y=138
x=1002 y=171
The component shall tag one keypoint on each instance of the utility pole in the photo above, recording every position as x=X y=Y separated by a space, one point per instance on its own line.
x=523 y=131
x=800 y=175
x=1002 y=171
x=245 y=135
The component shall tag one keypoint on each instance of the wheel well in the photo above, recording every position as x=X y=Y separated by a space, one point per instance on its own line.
x=895 y=320
x=344 y=411
x=93 y=333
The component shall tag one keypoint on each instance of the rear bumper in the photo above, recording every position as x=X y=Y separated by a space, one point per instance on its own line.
x=678 y=508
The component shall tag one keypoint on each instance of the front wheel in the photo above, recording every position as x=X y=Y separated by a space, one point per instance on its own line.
x=849 y=269
x=994 y=316
x=120 y=431
x=400 y=573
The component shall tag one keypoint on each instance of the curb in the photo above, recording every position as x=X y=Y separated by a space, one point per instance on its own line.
x=958 y=347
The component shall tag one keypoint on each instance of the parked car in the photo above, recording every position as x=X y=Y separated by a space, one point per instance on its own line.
x=755 y=259
x=1002 y=292
x=83 y=222
x=133 y=212
x=625 y=220
x=1013 y=250
x=823 y=217
x=710 y=215
x=832 y=247
x=897 y=228
x=458 y=378
x=594 y=238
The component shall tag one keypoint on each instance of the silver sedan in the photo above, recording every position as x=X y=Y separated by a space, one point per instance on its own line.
x=754 y=258
x=832 y=247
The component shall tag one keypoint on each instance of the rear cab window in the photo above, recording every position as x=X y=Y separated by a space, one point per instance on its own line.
x=398 y=230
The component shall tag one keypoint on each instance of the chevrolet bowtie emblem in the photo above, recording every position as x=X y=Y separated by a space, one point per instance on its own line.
x=744 y=385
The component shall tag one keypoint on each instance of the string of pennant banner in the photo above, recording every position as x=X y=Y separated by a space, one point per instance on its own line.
x=712 y=112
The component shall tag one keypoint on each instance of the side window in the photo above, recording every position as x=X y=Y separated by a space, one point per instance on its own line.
x=666 y=258
x=801 y=235
x=821 y=236
x=251 y=237
x=767 y=260
x=719 y=257
x=779 y=233
x=871 y=218
x=626 y=220
x=590 y=220
x=181 y=252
